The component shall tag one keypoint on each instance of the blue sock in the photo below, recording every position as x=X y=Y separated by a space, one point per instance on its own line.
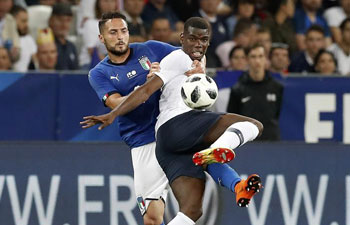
x=162 y=223
x=224 y=175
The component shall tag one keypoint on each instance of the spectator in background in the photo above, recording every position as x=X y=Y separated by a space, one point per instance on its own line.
x=184 y=9
x=238 y=59
x=238 y=62
x=9 y=37
x=303 y=61
x=132 y=12
x=241 y=9
x=158 y=8
x=325 y=63
x=47 y=2
x=5 y=61
x=92 y=50
x=279 y=58
x=280 y=23
x=28 y=45
x=341 y=50
x=244 y=35
x=263 y=38
x=258 y=95
x=60 y=22
x=161 y=31
x=86 y=10
x=209 y=10
x=335 y=15
x=308 y=14
x=47 y=54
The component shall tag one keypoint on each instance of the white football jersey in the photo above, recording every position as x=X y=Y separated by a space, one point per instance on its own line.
x=172 y=71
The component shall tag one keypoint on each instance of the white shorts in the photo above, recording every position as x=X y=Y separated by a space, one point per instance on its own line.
x=149 y=179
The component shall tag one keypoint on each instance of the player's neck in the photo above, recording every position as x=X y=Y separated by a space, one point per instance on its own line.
x=119 y=58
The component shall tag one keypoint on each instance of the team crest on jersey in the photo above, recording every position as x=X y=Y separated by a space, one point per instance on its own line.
x=141 y=204
x=145 y=63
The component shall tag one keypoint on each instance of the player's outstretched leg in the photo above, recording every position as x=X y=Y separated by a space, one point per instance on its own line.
x=246 y=189
x=229 y=132
x=213 y=155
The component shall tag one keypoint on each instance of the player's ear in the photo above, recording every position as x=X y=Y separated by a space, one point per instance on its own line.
x=102 y=40
x=182 y=38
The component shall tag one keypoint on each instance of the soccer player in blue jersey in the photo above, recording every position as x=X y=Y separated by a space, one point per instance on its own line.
x=124 y=69
x=181 y=130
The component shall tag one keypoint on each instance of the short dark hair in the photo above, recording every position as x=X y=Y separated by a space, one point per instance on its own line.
x=62 y=9
x=254 y=46
x=316 y=28
x=108 y=16
x=242 y=25
x=16 y=9
x=236 y=3
x=278 y=45
x=343 y=23
x=274 y=6
x=197 y=22
x=235 y=48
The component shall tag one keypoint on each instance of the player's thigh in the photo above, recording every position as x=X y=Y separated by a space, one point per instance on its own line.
x=149 y=179
x=189 y=192
x=222 y=124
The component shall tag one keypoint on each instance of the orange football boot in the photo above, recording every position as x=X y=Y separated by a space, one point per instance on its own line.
x=246 y=189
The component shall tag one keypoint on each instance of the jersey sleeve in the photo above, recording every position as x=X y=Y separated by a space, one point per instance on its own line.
x=160 y=49
x=101 y=84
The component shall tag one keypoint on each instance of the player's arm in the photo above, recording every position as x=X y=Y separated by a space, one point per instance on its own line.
x=114 y=100
x=130 y=102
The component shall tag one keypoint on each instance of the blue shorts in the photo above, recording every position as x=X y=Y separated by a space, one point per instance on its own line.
x=179 y=138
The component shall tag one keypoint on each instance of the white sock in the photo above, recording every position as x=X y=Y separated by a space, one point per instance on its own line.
x=181 y=219
x=236 y=135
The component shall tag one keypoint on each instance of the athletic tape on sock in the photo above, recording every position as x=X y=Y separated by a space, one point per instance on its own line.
x=239 y=134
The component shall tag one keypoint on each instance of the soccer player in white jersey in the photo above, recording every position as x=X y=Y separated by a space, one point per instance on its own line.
x=181 y=131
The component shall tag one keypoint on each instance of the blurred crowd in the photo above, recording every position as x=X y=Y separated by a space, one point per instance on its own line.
x=300 y=36
x=258 y=37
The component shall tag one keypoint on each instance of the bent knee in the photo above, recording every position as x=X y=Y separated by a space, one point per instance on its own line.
x=193 y=212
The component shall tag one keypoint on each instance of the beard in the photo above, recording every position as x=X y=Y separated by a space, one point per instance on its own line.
x=115 y=52
x=22 y=32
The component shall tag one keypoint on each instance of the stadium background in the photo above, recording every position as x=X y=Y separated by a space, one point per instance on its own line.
x=53 y=172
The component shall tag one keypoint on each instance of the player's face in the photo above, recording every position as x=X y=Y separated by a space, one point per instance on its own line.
x=115 y=36
x=195 y=42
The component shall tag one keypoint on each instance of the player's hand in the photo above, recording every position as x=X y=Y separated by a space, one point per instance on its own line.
x=155 y=67
x=105 y=120
x=197 y=67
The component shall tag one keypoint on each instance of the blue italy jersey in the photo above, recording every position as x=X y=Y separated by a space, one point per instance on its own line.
x=137 y=127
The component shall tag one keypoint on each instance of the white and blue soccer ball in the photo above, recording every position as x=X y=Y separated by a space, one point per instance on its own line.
x=199 y=91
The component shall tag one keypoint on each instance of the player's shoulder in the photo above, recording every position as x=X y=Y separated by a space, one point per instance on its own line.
x=155 y=44
x=100 y=68
x=176 y=54
x=176 y=58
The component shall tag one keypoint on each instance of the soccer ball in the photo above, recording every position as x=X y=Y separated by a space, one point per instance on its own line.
x=199 y=91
